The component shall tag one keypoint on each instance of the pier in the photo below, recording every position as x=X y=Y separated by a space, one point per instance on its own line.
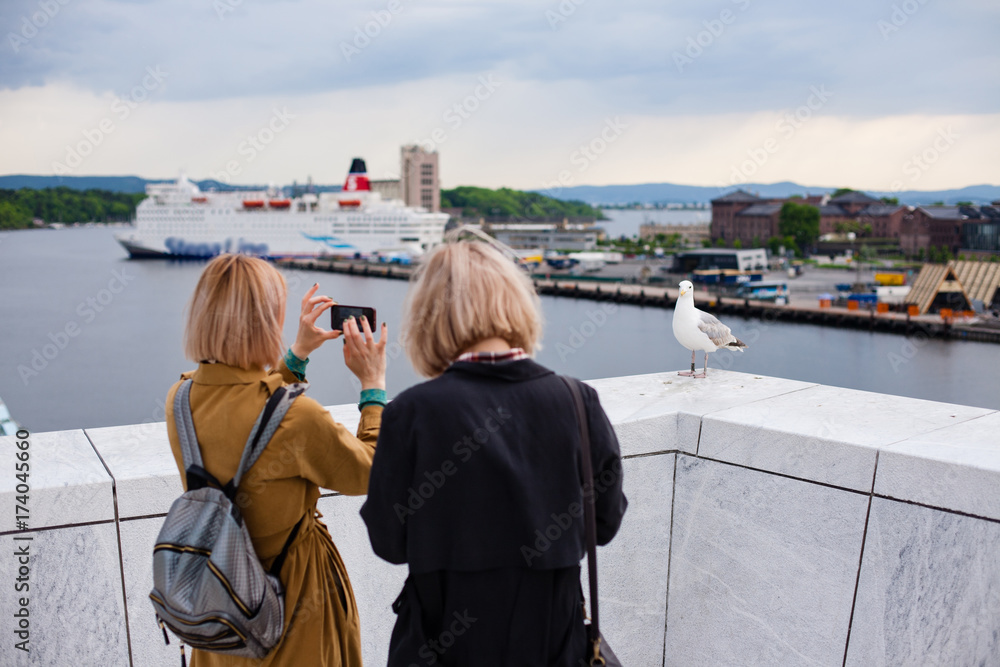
x=350 y=266
x=834 y=316
x=664 y=297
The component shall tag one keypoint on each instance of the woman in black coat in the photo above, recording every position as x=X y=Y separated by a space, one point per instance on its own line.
x=475 y=482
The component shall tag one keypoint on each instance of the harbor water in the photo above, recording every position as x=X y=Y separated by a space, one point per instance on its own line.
x=90 y=338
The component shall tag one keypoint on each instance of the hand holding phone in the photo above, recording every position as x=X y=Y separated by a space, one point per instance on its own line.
x=340 y=313
x=363 y=355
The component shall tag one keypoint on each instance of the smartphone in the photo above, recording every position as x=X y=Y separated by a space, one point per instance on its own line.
x=340 y=313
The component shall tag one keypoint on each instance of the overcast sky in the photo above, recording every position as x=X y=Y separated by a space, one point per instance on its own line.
x=872 y=94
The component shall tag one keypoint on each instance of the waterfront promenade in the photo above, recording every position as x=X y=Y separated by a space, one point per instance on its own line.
x=770 y=522
x=803 y=307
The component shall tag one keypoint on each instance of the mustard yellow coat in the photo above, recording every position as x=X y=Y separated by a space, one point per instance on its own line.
x=308 y=451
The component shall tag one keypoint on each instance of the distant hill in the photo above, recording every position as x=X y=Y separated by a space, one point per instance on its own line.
x=644 y=193
x=129 y=184
x=668 y=193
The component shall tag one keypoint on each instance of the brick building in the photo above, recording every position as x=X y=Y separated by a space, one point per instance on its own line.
x=747 y=217
x=757 y=214
x=830 y=216
x=886 y=219
x=952 y=227
x=853 y=203
x=756 y=222
x=931 y=226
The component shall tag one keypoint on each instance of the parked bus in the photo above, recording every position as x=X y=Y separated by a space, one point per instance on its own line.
x=764 y=290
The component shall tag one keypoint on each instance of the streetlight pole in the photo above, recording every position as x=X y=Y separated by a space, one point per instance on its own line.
x=854 y=256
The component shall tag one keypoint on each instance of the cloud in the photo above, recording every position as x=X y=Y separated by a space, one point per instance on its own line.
x=758 y=59
x=365 y=77
x=523 y=134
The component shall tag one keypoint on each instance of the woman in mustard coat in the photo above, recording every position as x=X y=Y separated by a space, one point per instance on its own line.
x=234 y=331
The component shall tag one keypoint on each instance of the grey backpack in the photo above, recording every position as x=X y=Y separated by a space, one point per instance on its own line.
x=209 y=587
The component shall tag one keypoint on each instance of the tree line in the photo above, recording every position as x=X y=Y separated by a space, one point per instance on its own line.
x=20 y=208
x=514 y=205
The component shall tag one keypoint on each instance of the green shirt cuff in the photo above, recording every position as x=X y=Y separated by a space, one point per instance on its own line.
x=295 y=365
x=372 y=397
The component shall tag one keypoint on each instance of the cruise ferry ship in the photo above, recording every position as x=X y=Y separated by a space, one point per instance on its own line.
x=178 y=220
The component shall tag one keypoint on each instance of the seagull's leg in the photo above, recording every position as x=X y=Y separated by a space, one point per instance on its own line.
x=704 y=371
x=689 y=373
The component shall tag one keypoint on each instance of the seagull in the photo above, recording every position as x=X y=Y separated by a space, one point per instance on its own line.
x=697 y=330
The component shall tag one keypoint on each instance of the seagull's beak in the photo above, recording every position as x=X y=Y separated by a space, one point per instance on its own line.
x=683 y=291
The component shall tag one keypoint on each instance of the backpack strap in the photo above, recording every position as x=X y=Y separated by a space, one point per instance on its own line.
x=196 y=476
x=263 y=429
x=185 y=426
x=279 y=561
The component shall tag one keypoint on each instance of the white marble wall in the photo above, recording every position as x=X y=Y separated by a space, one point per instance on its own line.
x=767 y=563
x=75 y=598
x=632 y=569
x=770 y=522
x=929 y=592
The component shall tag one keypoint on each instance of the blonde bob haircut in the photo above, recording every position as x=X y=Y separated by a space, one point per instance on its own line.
x=236 y=313
x=464 y=293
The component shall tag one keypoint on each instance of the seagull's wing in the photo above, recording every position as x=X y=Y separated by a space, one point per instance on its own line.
x=718 y=332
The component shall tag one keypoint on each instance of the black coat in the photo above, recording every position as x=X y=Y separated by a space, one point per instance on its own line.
x=476 y=486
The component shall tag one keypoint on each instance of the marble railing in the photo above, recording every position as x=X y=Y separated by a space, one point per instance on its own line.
x=771 y=522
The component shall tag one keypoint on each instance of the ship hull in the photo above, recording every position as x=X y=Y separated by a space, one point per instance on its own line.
x=203 y=244
x=137 y=251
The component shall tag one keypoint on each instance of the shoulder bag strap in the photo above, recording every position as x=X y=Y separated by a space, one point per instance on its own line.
x=589 y=511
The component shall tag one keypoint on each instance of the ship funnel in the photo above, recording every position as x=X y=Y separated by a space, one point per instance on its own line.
x=357 y=178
